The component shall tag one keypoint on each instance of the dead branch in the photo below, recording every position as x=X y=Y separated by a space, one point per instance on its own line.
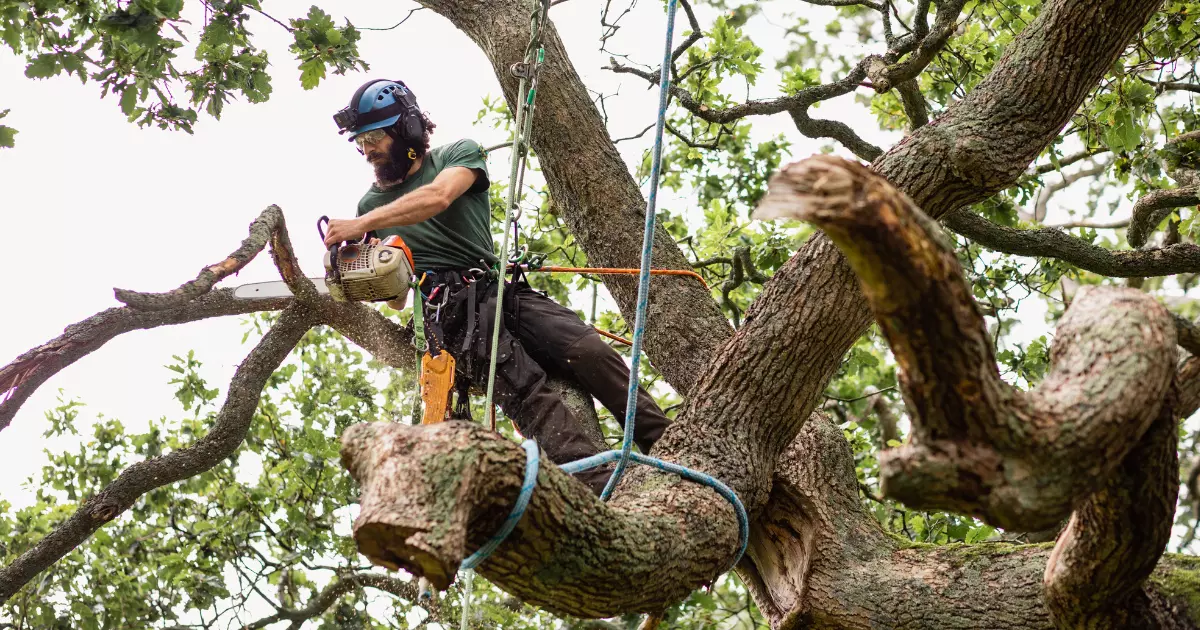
x=262 y=230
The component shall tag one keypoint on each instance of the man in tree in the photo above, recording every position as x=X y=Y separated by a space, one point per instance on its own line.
x=437 y=201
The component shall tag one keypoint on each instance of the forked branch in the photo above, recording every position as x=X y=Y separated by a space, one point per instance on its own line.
x=262 y=231
x=1015 y=459
x=193 y=301
x=1019 y=460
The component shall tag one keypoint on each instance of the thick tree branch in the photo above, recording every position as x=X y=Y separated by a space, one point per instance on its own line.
x=220 y=442
x=1114 y=539
x=19 y=379
x=1017 y=460
x=1054 y=243
x=431 y=494
x=818 y=559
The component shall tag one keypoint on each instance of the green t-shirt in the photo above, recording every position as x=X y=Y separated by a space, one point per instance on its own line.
x=460 y=236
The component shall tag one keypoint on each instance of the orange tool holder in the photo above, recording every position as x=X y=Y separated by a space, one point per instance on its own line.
x=437 y=379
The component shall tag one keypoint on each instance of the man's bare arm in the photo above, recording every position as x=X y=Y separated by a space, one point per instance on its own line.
x=425 y=202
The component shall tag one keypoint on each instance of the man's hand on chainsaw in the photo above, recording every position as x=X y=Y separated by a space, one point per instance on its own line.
x=344 y=230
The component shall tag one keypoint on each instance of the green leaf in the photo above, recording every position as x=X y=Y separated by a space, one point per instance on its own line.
x=980 y=534
x=334 y=36
x=8 y=137
x=311 y=73
x=42 y=66
x=128 y=100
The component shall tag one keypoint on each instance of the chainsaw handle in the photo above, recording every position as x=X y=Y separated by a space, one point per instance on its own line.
x=320 y=230
x=333 y=250
x=324 y=221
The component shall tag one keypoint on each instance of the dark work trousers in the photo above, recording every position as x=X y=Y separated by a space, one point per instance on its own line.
x=540 y=337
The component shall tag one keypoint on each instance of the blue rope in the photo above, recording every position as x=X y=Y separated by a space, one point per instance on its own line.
x=532 y=457
x=626 y=453
x=639 y=322
x=586 y=463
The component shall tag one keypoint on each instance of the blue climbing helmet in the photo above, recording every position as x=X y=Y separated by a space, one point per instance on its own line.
x=383 y=104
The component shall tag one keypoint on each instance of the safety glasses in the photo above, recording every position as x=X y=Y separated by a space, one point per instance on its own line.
x=373 y=136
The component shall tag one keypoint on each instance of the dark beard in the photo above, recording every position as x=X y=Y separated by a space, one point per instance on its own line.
x=394 y=168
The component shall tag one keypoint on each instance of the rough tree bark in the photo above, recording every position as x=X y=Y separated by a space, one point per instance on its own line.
x=1097 y=435
x=737 y=422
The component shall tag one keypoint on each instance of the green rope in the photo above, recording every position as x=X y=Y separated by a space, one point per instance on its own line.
x=535 y=53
